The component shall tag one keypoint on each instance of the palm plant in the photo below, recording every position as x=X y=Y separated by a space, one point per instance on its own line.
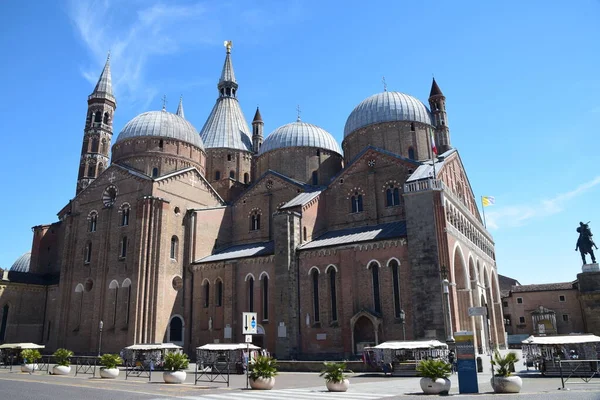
x=110 y=361
x=504 y=364
x=434 y=369
x=30 y=355
x=262 y=367
x=335 y=372
x=63 y=357
x=176 y=361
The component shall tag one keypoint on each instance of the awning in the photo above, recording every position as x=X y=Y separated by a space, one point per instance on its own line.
x=228 y=346
x=21 y=346
x=153 y=346
x=561 y=339
x=410 y=345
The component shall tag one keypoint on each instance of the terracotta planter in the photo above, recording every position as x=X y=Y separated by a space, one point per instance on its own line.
x=29 y=368
x=109 y=373
x=438 y=386
x=262 y=383
x=506 y=384
x=174 y=376
x=61 y=370
x=338 y=386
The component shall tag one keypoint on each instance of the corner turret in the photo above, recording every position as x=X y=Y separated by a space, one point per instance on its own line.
x=437 y=103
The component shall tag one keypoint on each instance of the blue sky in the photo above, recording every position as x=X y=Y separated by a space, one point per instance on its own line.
x=520 y=78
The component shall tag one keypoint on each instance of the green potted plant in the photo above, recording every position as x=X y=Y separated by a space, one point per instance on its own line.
x=175 y=366
x=434 y=373
x=502 y=380
x=335 y=376
x=262 y=372
x=30 y=358
x=109 y=364
x=62 y=357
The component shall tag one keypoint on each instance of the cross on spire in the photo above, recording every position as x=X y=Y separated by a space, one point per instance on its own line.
x=164 y=100
x=298 y=111
x=384 y=84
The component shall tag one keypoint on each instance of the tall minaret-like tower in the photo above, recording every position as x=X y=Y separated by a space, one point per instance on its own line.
x=437 y=102
x=257 y=131
x=98 y=130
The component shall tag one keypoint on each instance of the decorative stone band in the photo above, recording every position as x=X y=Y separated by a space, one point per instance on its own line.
x=590 y=268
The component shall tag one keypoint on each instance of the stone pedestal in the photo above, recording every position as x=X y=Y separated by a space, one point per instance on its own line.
x=590 y=268
x=589 y=297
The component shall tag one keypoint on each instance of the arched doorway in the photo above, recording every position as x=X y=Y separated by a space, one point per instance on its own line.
x=365 y=331
x=259 y=338
x=463 y=292
x=175 y=331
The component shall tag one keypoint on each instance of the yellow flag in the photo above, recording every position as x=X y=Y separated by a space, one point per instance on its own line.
x=488 y=201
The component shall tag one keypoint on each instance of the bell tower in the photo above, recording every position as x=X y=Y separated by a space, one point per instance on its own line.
x=98 y=130
x=437 y=102
x=257 y=131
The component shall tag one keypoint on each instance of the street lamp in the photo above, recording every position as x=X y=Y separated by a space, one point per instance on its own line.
x=100 y=326
x=402 y=317
x=446 y=303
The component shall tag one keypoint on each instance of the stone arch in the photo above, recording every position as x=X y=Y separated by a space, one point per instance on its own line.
x=313 y=268
x=176 y=330
x=329 y=267
x=462 y=289
x=393 y=259
x=365 y=330
x=263 y=274
x=373 y=261
x=248 y=276
x=493 y=337
x=498 y=320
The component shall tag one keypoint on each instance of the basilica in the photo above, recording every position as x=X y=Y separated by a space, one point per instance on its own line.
x=173 y=233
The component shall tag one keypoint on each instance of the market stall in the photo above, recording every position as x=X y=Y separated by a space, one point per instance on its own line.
x=400 y=358
x=10 y=352
x=141 y=359
x=544 y=352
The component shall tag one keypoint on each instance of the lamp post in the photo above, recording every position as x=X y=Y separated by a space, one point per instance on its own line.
x=446 y=303
x=100 y=326
x=402 y=320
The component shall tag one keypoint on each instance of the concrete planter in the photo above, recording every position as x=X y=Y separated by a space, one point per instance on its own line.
x=61 y=370
x=438 y=386
x=109 y=373
x=338 y=386
x=262 y=383
x=506 y=384
x=174 y=376
x=29 y=368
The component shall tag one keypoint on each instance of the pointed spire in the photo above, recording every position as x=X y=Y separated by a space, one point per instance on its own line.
x=180 y=108
x=435 y=89
x=103 y=88
x=227 y=74
x=257 y=116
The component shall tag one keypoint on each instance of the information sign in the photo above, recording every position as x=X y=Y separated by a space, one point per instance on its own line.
x=248 y=338
x=466 y=365
x=476 y=311
x=249 y=326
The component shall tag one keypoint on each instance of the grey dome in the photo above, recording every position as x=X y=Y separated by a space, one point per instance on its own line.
x=387 y=107
x=300 y=134
x=22 y=263
x=161 y=124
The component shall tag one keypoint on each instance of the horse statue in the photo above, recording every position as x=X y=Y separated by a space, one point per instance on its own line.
x=585 y=244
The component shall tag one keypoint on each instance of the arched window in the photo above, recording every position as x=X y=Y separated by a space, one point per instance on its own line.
x=98 y=116
x=232 y=174
x=315 y=178
x=374 y=267
x=219 y=293
x=174 y=247
x=91 y=170
x=93 y=222
x=125 y=216
x=78 y=302
x=246 y=178
x=315 y=287
x=154 y=172
x=333 y=293
x=396 y=285
x=113 y=294
x=411 y=153
x=228 y=157
x=206 y=293
x=357 y=202
x=265 y=297
x=95 y=143
x=123 y=252
x=255 y=221
x=4 y=322
x=84 y=147
x=100 y=168
x=106 y=118
x=161 y=143
x=251 y=294
x=412 y=126
x=304 y=233
x=127 y=286
x=103 y=146
x=88 y=253
x=217 y=175
x=392 y=196
x=176 y=330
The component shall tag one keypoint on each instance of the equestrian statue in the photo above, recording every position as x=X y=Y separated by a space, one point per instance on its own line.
x=585 y=244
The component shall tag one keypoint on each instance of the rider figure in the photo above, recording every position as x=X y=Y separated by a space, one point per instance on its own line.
x=585 y=244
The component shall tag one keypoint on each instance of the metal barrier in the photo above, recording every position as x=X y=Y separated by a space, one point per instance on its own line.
x=44 y=364
x=586 y=370
x=7 y=362
x=85 y=365
x=138 y=369
x=214 y=370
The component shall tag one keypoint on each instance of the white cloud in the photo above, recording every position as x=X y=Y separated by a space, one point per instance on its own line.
x=518 y=215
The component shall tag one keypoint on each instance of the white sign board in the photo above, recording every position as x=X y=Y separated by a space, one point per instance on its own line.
x=249 y=323
x=248 y=338
x=476 y=311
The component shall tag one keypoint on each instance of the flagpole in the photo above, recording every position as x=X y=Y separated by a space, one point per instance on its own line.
x=483 y=210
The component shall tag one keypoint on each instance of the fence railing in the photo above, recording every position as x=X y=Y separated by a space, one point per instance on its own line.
x=585 y=370
x=85 y=365
x=137 y=369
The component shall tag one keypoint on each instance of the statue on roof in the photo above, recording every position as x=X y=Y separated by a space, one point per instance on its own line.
x=585 y=244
